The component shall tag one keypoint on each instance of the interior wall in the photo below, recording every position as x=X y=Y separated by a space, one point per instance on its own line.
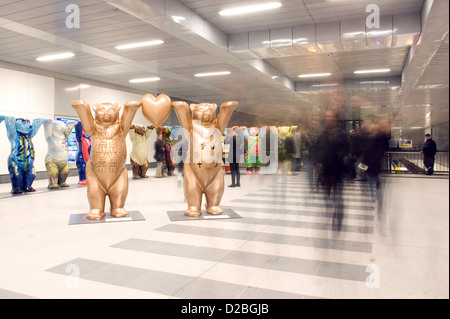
x=25 y=95
x=439 y=134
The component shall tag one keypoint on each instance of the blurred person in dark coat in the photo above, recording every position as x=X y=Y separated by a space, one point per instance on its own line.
x=429 y=152
x=334 y=147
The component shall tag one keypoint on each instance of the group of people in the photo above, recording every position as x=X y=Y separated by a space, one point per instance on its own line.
x=331 y=154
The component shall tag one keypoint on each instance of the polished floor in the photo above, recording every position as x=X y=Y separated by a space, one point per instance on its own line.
x=281 y=245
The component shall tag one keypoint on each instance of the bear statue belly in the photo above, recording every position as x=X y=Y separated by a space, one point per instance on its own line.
x=108 y=154
x=206 y=154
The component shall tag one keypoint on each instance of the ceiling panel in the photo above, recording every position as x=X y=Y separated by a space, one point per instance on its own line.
x=104 y=26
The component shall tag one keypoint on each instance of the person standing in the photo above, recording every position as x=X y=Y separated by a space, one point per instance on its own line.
x=235 y=155
x=429 y=152
x=159 y=154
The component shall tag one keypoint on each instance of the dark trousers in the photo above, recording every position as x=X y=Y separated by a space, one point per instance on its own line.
x=235 y=174
x=429 y=164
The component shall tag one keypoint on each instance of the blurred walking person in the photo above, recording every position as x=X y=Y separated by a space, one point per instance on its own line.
x=429 y=152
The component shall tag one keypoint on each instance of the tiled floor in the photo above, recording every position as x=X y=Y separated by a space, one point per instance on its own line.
x=282 y=247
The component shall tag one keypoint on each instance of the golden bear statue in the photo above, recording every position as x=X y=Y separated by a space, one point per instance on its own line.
x=203 y=172
x=106 y=173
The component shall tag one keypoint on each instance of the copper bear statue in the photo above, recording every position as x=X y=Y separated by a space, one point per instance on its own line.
x=106 y=173
x=203 y=168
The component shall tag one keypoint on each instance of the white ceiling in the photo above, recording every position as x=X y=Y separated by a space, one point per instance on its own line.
x=418 y=82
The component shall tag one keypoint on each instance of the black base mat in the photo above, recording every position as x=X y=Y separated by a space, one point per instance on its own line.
x=180 y=216
x=76 y=219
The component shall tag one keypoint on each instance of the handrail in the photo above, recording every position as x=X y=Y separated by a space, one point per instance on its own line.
x=412 y=162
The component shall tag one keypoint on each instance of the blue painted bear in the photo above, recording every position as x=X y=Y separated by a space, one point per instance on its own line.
x=20 y=162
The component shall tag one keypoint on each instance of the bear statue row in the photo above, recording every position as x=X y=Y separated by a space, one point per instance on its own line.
x=102 y=151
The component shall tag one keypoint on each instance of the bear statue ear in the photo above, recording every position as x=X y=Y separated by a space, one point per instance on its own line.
x=192 y=107
x=214 y=107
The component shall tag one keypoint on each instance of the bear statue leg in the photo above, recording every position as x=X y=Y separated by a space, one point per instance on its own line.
x=81 y=165
x=213 y=194
x=16 y=176
x=136 y=168
x=118 y=195
x=96 y=195
x=52 y=172
x=193 y=192
x=144 y=169
x=64 y=171
x=28 y=176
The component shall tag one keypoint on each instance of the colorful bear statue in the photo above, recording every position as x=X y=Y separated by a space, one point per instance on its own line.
x=21 y=160
x=57 y=158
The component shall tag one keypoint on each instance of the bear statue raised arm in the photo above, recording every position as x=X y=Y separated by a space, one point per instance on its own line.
x=203 y=167
x=106 y=173
x=20 y=133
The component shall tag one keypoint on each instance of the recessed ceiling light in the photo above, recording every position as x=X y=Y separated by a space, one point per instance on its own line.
x=79 y=87
x=138 y=44
x=212 y=74
x=59 y=56
x=325 y=85
x=372 y=71
x=178 y=19
x=143 y=80
x=250 y=9
x=313 y=75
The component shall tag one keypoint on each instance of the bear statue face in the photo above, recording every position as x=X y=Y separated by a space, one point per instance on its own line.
x=106 y=113
x=253 y=131
x=140 y=130
x=204 y=112
x=23 y=126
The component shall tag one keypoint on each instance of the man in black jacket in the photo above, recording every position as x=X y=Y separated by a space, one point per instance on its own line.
x=429 y=151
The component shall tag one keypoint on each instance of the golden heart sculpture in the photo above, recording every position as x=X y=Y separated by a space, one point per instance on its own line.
x=156 y=110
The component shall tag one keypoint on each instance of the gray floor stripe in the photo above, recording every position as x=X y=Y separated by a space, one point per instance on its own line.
x=276 y=211
x=308 y=197
x=6 y=294
x=248 y=259
x=356 y=246
x=165 y=283
x=299 y=203
x=304 y=224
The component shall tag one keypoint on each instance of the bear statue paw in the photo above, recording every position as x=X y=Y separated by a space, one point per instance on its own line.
x=214 y=210
x=54 y=186
x=193 y=212
x=119 y=213
x=64 y=185
x=95 y=215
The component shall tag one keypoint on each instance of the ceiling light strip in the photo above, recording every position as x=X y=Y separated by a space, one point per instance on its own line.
x=372 y=71
x=139 y=45
x=212 y=74
x=314 y=75
x=250 y=9
x=144 y=80
x=53 y=57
